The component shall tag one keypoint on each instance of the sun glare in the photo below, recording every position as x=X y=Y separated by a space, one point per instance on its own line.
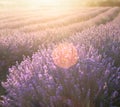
x=59 y=3
x=65 y=55
x=45 y=2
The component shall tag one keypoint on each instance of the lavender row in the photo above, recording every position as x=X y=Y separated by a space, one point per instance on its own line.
x=94 y=80
x=41 y=17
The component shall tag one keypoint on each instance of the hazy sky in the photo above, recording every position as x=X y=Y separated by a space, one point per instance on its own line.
x=46 y=2
x=40 y=2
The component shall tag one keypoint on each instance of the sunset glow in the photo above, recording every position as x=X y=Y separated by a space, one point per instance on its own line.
x=44 y=2
x=57 y=3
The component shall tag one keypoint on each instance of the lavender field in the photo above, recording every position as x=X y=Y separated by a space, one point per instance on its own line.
x=57 y=56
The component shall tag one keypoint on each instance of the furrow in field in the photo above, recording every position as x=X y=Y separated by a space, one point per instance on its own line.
x=72 y=23
x=21 y=16
x=62 y=22
x=51 y=35
x=74 y=28
x=12 y=14
x=32 y=18
x=103 y=18
x=116 y=19
x=36 y=18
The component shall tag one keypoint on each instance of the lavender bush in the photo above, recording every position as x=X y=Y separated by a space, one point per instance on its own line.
x=39 y=82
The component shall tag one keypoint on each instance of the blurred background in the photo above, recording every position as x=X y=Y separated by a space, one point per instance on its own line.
x=28 y=3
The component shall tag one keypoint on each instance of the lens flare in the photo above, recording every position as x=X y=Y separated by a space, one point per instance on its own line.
x=65 y=55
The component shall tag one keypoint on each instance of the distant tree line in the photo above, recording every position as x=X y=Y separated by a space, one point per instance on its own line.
x=103 y=2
